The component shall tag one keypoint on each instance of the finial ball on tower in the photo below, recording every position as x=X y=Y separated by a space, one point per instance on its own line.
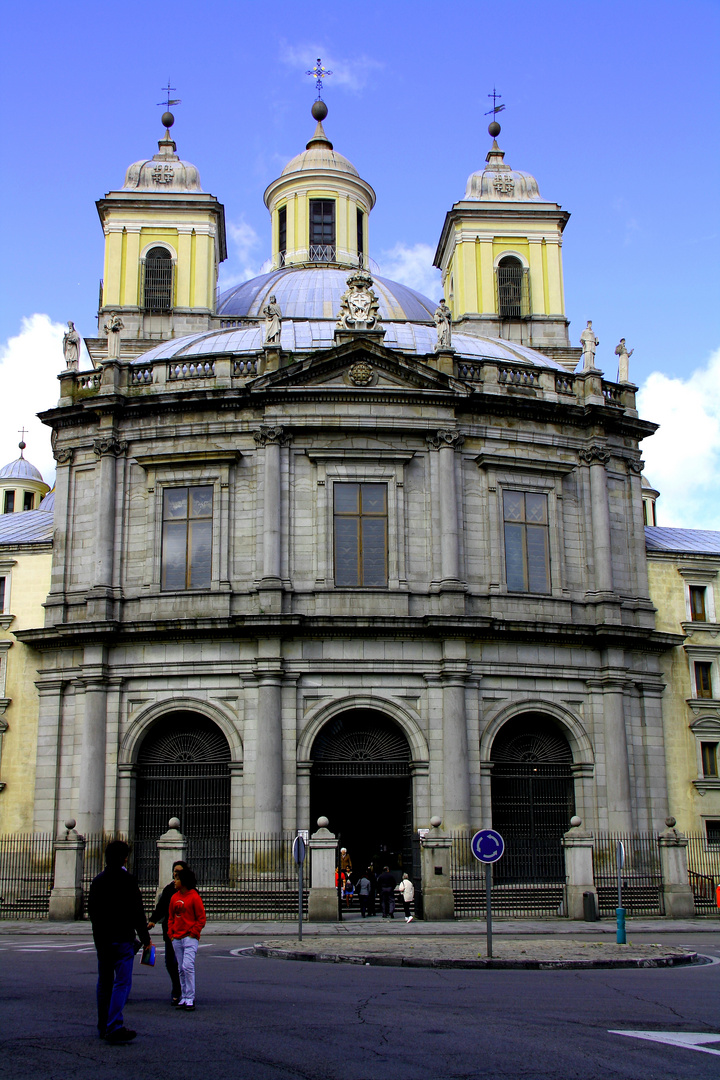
x=319 y=110
x=494 y=129
x=167 y=119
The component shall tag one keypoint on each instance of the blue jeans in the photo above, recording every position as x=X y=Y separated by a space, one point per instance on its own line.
x=115 y=963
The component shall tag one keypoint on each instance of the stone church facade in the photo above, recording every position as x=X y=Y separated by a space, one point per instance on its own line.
x=345 y=570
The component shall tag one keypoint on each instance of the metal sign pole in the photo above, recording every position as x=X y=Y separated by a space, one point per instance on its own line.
x=300 y=898
x=298 y=851
x=620 y=934
x=488 y=906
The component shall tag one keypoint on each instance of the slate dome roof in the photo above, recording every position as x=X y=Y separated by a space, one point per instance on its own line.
x=20 y=470
x=314 y=293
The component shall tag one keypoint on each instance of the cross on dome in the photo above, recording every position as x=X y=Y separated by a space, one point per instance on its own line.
x=319 y=73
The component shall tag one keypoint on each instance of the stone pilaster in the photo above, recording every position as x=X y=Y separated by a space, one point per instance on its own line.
x=269 y=758
x=677 y=893
x=322 y=898
x=66 y=898
x=597 y=458
x=271 y=439
x=91 y=793
x=579 y=878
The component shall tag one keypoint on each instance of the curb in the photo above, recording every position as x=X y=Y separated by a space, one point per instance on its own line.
x=375 y=960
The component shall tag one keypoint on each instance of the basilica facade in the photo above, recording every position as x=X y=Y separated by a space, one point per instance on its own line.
x=326 y=547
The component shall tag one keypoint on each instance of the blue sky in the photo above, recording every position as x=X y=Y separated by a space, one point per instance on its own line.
x=613 y=107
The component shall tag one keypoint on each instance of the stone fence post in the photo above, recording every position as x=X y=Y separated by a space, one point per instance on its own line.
x=172 y=848
x=437 y=894
x=579 y=878
x=322 y=898
x=66 y=898
x=677 y=892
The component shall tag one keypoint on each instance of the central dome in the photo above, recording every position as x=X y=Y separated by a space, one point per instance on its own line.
x=309 y=293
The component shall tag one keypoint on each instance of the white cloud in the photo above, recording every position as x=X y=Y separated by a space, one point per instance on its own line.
x=350 y=72
x=412 y=266
x=683 y=457
x=29 y=365
x=243 y=261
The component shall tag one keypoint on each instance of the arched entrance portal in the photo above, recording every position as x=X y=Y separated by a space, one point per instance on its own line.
x=183 y=770
x=360 y=780
x=533 y=797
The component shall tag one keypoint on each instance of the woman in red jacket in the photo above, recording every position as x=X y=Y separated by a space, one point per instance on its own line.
x=186 y=918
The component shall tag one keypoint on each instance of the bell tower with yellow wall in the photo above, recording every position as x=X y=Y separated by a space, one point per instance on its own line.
x=164 y=242
x=500 y=254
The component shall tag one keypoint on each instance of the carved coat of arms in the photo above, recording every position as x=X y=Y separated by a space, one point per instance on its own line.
x=359 y=305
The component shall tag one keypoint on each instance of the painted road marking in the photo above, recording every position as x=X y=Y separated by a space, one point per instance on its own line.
x=688 y=1040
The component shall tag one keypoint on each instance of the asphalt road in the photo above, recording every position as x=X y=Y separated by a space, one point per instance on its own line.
x=277 y=1020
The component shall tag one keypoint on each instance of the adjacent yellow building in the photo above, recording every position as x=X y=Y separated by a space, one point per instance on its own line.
x=683 y=566
x=25 y=562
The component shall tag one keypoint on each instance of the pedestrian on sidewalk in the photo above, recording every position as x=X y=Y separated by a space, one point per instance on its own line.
x=116 y=911
x=372 y=909
x=186 y=918
x=386 y=887
x=160 y=915
x=407 y=894
x=363 y=889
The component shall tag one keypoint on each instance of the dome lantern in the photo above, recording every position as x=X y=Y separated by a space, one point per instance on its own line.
x=319 y=206
x=21 y=485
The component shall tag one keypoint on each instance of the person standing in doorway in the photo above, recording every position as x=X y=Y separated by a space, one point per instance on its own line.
x=363 y=889
x=160 y=914
x=386 y=887
x=407 y=892
x=345 y=861
x=186 y=918
x=116 y=911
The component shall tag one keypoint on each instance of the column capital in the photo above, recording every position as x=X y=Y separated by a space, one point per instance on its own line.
x=64 y=454
x=594 y=455
x=109 y=445
x=266 y=434
x=445 y=437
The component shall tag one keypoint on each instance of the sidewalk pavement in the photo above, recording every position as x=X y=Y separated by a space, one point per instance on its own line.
x=371 y=928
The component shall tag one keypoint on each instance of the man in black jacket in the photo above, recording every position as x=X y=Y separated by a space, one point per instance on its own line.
x=386 y=887
x=116 y=910
x=160 y=914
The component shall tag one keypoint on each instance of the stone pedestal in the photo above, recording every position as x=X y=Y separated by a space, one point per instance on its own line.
x=438 y=899
x=172 y=848
x=445 y=360
x=579 y=878
x=322 y=899
x=66 y=898
x=270 y=360
x=677 y=893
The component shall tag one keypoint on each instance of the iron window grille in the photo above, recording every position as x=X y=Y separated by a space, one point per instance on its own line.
x=360 y=533
x=187 y=538
x=158 y=280
x=513 y=289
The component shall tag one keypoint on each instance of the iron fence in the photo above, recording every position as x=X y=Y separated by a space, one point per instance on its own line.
x=524 y=899
x=254 y=878
x=641 y=875
x=704 y=873
x=26 y=875
x=94 y=860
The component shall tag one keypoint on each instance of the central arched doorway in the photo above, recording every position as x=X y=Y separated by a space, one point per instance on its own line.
x=360 y=779
x=533 y=798
x=183 y=770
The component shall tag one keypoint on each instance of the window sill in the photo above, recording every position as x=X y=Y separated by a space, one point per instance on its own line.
x=690 y=628
x=707 y=783
x=700 y=704
x=5 y=621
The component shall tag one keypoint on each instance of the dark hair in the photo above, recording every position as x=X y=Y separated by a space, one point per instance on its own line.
x=187 y=878
x=179 y=862
x=116 y=853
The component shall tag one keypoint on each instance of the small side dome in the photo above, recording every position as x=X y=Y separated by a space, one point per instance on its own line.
x=499 y=183
x=163 y=172
x=48 y=503
x=319 y=155
x=20 y=470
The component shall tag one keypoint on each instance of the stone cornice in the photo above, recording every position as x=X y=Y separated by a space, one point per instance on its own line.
x=527 y=464
x=299 y=626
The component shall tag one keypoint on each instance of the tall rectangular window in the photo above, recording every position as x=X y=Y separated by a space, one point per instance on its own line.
x=322 y=230
x=28 y=500
x=712 y=831
x=360 y=237
x=9 y=502
x=360 y=513
x=709 y=751
x=527 y=555
x=282 y=234
x=3 y=594
x=703 y=679
x=697 y=603
x=187 y=538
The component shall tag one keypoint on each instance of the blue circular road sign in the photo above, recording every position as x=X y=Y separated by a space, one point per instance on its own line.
x=487 y=845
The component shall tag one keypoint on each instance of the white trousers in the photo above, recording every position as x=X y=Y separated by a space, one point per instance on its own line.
x=185 y=952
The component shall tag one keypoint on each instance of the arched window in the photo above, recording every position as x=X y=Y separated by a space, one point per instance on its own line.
x=512 y=289
x=158 y=280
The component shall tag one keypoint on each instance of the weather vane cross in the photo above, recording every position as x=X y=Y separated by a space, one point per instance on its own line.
x=21 y=433
x=170 y=101
x=496 y=108
x=319 y=73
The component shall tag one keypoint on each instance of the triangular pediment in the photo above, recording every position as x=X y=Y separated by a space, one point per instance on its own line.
x=363 y=364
